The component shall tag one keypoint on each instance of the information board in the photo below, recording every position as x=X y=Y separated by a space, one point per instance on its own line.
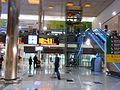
x=114 y=54
x=115 y=44
x=113 y=57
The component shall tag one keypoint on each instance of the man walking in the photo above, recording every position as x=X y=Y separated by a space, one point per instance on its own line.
x=30 y=62
x=56 y=64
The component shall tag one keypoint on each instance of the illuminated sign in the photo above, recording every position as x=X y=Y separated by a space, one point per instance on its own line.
x=38 y=48
x=4 y=1
x=46 y=41
x=113 y=57
x=32 y=39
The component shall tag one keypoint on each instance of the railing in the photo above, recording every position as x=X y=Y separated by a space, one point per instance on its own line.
x=80 y=42
x=101 y=34
x=93 y=36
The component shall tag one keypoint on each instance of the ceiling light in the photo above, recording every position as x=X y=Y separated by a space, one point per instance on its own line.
x=19 y=27
x=44 y=28
x=69 y=4
x=50 y=7
x=114 y=13
x=35 y=17
x=33 y=1
x=4 y=1
x=87 y=5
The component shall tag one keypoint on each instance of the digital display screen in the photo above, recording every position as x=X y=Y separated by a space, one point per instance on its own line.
x=32 y=39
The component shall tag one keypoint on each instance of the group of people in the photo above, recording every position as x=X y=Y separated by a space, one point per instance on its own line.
x=56 y=65
x=35 y=59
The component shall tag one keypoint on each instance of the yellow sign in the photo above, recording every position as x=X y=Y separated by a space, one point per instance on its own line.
x=113 y=57
x=46 y=41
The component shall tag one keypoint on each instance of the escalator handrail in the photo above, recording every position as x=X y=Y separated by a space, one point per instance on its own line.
x=116 y=66
x=79 y=51
x=100 y=33
x=80 y=45
x=96 y=39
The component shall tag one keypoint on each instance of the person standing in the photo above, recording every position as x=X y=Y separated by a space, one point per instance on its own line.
x=35 y=61
x=1 y=60
x=56 y=65
x=30 y=62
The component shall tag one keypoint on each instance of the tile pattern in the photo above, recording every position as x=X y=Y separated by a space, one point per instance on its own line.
x=83 y=79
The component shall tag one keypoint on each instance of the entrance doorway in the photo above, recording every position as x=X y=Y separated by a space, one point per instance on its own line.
x=49 y=59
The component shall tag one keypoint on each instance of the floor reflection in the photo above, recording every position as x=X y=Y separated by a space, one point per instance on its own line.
x=83 y=79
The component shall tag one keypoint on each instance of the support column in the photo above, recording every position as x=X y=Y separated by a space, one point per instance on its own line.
x=118 y=29
x=65 y=44
x=43 y=21
x=105 y=56
x=38 y=55
x=12 y=40
x=0 y=9
x=40 y=16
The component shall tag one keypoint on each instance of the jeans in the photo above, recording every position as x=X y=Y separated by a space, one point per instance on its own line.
x=57 y=72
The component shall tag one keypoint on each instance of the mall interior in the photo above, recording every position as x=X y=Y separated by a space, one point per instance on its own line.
x=84 y=34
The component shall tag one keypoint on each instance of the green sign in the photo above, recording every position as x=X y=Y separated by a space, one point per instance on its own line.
x=56 y=25
x=86 y=25
x=108 y=45
x=60 y=25
x=3 y=22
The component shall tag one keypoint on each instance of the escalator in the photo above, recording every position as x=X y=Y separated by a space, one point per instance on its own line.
x=80 y=42
x=99 y=37
x=94 y=36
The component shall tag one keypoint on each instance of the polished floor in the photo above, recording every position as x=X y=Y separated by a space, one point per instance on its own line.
x=72 y=78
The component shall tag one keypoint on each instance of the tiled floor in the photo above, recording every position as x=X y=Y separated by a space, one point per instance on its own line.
x=72 y=79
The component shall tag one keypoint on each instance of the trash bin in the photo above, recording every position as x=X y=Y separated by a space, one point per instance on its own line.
x=97 y=64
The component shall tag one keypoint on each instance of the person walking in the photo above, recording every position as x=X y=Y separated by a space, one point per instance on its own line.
x=56 y=65
x=30 y=62
x=35 y=61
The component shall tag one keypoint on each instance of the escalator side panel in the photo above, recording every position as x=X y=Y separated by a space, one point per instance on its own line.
x=96 y=39
x=111 y=67
x=97 y=35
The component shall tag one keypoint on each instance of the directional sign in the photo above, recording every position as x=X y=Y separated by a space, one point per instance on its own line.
x=113 y=57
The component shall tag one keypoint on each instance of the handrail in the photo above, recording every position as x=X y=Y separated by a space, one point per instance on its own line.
x=95 y=38
x=100 y=33
x=80 y=41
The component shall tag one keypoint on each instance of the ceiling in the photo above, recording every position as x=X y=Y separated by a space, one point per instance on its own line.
x=59 y=7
